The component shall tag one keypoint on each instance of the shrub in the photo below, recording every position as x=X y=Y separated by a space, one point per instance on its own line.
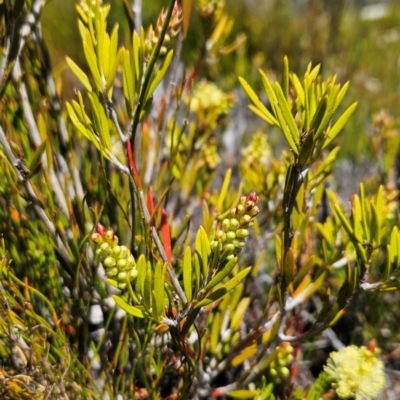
x=134 y=262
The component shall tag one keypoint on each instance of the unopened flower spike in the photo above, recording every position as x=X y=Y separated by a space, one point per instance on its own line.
x=232 y=231
x=118 y=261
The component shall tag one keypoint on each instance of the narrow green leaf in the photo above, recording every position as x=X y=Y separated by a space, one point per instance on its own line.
x=159 y=293
x=187 y=274
x=314 y=73
x=345 y=223
x=222 y=290
x=365 y=214
x=285 y=77
x=337 y=127
x=37 y=156
x=285 y=130
x=239 y=312
x=319 y=114
x=224 y=189
x=214 y=296
x=287 y=114
x=341 y=95
x=236 y=279
x=306 y=150
x=79 y=74
x=136 y=312
x=159 y=75
x=197 y=271
x=266 y=118
x=203 y=249
x=287 y=269
x=91 y=59
x=262 y=110
x=298 y=89
x=147 y=297
x=242 y=394
x=215 y=330
x=141 y=266
x=304 y=270
x=128 y=81
x=330 y=108
x=101 y=122
x=357 y=218
x=225 y=271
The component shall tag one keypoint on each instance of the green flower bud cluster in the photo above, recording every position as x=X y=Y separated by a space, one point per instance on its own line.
x=233 y=230
x=278 y=369
x=118 y=261
x=355 y=372
x=153 y=34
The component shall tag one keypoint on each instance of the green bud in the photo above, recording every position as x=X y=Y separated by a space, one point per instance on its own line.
x=116 y=251
x=234 y=224
x=122 y=285
x=109 y=262
x=239 y=244
x=254 y=211
x=111 y=272
x=229 y=247
x=122 y=276
x=230 y=235
x=240 y=209
x=245 y=220
x=249 y=205
x=242 y=233
x=220 y=235
x=124 y=252
x=226 y=224
x=109 y=235
x=130 y=261
x=105 y=247
x=121 y=264
x=273 y=372
x=96 y=238
x=134 y=273
x=213 y=244
x=282 y=362
x=284 y=372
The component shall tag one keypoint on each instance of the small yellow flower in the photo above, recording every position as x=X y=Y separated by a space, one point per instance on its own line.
x=355 y=372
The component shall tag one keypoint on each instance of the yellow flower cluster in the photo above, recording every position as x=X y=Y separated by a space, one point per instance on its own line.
x=355 y=372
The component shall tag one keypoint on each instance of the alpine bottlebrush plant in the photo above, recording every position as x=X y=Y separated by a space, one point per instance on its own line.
x=144 y=257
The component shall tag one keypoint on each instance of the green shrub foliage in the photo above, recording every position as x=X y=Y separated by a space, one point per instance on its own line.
x=137 y=259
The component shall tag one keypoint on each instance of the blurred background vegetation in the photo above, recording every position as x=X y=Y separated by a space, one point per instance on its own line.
x=356 y=40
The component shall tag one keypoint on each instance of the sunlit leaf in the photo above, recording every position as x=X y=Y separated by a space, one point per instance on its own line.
x=136 y=312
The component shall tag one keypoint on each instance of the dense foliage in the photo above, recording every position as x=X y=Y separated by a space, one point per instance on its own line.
x=151 y=250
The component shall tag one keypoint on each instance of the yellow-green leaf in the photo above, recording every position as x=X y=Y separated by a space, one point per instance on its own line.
x=135 y=311
x=187 y=274
x=159 y=294
x=79 y=74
